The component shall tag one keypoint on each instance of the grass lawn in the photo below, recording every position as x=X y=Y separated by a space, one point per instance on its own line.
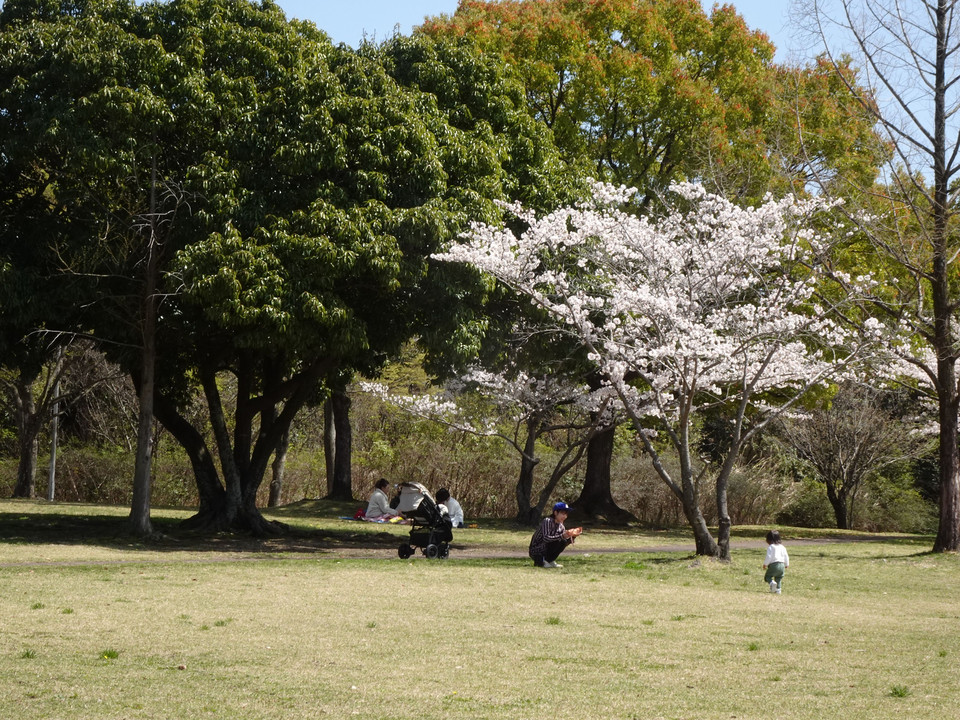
x=331 y=623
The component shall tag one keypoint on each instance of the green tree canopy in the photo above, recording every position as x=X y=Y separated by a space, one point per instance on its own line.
x=651 y=91
x=639 y=91
x=300 y=190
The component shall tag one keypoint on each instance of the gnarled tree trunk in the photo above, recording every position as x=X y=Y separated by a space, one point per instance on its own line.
x=596 y=498
x=329 y=444
x=342 y=477
x=28 y=429
x=231 y=504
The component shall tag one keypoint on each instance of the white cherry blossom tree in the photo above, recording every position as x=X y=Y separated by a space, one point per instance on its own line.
x=706 y=308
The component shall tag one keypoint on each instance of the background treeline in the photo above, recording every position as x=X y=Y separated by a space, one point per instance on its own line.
x=774 y=485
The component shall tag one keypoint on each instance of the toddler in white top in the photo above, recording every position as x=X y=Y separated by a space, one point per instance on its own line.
x=776 y=562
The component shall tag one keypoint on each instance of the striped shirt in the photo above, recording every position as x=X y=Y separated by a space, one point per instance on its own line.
x=549 y=531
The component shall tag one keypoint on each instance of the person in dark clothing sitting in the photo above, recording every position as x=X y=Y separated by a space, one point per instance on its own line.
x=552 y=538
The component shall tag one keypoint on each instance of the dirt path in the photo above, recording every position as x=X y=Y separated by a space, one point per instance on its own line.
x=487 y=552
x=383 y=546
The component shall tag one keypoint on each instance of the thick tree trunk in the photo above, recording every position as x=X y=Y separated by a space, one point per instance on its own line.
x=705 y=543
x=248 y=517
x=596 y=500
x=243 y=420
x=232 y=503
x=703 y=540
x=329 y=445
x=26 y=466
x=54 y=430
x=724 y=523
x=526 y=513
x=839 y=504
x=244 y=464
x=342 y=477
x=722 y=482
x=28 y=430
x=948 y=531
x=279 y=465
x=209 y=488
x=690 y=495
x=140 y=523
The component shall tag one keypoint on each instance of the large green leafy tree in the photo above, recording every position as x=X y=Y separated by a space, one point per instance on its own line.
x=34 y=223
x=645 y=92
x=642 y=92
x=294 y=190
x=490 y=147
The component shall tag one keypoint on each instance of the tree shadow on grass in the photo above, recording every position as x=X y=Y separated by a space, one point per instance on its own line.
x=112 y=531
x=918 y=555
x=33 y=523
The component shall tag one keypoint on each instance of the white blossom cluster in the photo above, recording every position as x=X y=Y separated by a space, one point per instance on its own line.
x=708 y=302
x=430 y=407
x=516 y=395
x=522 y=395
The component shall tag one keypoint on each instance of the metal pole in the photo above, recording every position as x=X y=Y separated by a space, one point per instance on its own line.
x=54 y=426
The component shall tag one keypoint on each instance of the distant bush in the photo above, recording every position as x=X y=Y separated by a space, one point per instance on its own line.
x=809 y=507
x=756 y=493
x=896 y=505
x=638 y=489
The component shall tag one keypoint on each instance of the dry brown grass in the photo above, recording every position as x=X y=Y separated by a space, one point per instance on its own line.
x=866 y=629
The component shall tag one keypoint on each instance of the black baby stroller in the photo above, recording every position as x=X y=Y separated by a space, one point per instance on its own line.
x=431 y=527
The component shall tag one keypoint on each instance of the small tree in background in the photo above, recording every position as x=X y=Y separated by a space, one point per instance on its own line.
x=848 y=442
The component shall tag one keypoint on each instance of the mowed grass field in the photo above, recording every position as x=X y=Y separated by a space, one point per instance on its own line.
x=333 y=624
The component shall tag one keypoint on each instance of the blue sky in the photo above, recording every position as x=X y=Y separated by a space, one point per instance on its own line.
x=347 y=20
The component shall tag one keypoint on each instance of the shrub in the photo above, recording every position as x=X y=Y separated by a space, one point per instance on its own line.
x=895 y=505
x=638 y=489
x=756 y=493
x=809 y=507
x=94 y=474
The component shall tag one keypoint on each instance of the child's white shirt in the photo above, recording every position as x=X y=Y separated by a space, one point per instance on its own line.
x=777 y=553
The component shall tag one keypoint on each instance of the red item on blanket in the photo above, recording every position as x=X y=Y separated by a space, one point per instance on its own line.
x=359 y=514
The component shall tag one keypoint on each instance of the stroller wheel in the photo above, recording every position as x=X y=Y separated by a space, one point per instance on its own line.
x=404 y=551
x=444 y=550
x=432 y=551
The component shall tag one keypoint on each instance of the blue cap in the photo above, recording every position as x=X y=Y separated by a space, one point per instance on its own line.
x=561 y=506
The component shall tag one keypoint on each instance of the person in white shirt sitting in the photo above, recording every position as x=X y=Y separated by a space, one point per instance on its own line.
x=378 y=507
x=453 y=507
